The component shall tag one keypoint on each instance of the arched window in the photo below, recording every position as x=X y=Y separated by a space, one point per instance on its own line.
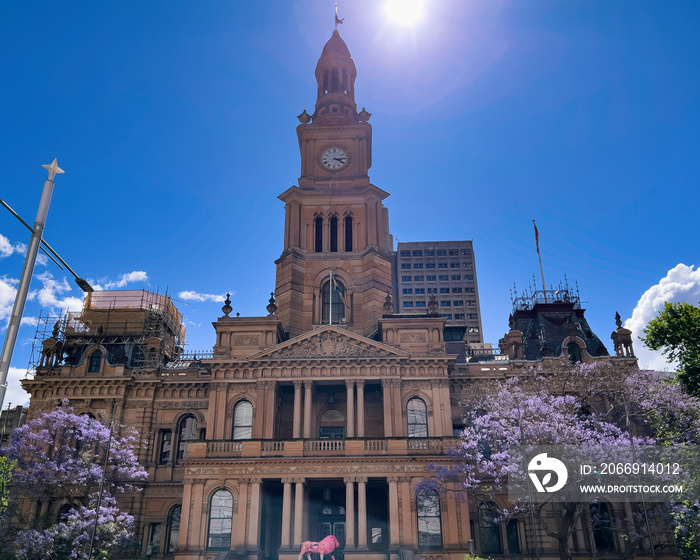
x=574 y=352
x=334 y=234
x=348 y=233
x=602 y=527
x=318 y=234
x=417 y=414
x=513 y=536
x=428 y=509
x=173 y=529
x=333 y=304
x=243 y=420
x=489 y=531
x=220 y=520
x=95 y=362
x=187 y=432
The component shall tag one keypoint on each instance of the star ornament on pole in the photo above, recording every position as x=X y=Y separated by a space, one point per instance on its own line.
x=53 y=169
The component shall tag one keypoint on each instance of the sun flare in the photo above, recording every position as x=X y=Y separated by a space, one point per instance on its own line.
x=405 y=12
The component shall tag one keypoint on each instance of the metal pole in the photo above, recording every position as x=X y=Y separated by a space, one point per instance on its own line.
x=26 y=278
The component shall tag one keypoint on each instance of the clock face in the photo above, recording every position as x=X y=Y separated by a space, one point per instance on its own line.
x=334 y=159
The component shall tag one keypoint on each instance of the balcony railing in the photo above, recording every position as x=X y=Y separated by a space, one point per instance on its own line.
x=319 y=447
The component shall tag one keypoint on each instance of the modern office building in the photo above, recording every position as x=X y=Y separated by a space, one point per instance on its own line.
x=444 y=268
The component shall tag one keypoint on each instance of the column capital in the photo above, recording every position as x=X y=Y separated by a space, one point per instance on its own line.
x=287 y=480
x=297 y=384
x=362 y=479
x=243 y=481
x=349 y=479
x=349 y=383
x=392 y=479
x=308 y=383
x=256 y=480
x=360 y=383
x=300 y=481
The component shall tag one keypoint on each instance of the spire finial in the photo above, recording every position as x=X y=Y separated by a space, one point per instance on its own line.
x=227 y=305
x=337 y=19
x=53 y=167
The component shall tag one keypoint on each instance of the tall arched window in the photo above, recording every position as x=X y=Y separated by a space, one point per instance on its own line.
x=574 y=352
x=348 y=233
x=602 y=527
x=243 y=420
x=95 y=362
x=417 y=415
x=334 y=234
x=489 y=531
x=428 y=509
x=220 y=520
x=318 y=234
x=173 y=529
x=333 y=301
x=187 y=432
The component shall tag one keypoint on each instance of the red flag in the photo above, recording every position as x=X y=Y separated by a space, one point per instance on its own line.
x=537 y=237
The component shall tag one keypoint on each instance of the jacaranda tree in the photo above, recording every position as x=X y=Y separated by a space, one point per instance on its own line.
x=61 y=459
x=588 y=405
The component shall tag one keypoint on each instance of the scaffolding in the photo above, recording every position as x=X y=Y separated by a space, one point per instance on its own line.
x=138 y=329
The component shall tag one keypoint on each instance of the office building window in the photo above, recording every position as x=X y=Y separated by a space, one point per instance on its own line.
x=429 y=265
x=442 y=265
x=417 y=253
x=456 y=290
x=405 y=254
x=420 y=290
x=441 y=252
x=407 y=291
x=420 y=304
x=454 y=265
x=454 y=252
x=469 y=277
x=408 y=304
x=417 y=265
x=405 y=279
x=429 y=253
x=444 y=278
x=417 y=278
x=472 y=316
x=405 y=266
x=459 y=316
x=430 y=278
x=471 y=303
x=456 y=277
x=444 y=303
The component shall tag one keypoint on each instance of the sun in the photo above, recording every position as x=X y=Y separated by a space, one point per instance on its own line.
x=405 y=12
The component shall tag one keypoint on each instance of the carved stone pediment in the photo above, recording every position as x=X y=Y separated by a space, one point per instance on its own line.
x=329 y=342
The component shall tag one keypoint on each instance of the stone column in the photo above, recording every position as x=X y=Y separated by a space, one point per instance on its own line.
x=286 y=512
x=298 y=511
x=361 y=408
x=185 y=516
x=393 y=512
x=409 y=536
x=350 y=427
x=251 y=540
x=349 y=513
x=449 y=519
x=386 y=402
x=296 y=428
x=362 y=513
x=199 y=514
x=239 y=520
x=294 y=225
x=270 y=406
x=307 y=408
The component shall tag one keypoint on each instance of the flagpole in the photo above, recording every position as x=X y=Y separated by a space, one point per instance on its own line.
x=539 y=256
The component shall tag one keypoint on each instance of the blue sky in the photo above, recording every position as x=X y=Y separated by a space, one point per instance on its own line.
x=175 y=123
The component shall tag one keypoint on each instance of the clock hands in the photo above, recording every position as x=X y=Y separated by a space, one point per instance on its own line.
x=341 y=160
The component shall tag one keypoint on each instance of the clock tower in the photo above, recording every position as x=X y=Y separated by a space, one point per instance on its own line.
x=335 y=266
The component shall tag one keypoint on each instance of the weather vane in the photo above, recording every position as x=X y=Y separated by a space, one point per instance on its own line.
x=337 y=19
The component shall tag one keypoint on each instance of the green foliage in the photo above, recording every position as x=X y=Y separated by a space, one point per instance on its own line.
x=6 y=467
x=676 y=331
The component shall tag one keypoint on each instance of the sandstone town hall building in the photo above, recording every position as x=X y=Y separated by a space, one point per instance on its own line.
x=319 y=417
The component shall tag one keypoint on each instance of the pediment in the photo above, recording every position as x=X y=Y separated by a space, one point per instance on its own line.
x=329 y=342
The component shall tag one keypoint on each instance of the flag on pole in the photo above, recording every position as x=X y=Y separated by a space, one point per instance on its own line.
x=340 y=292
x=537 y=237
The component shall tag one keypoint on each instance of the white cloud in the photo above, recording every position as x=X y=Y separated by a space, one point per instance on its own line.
x=14 y=393
x=681 y=284
x=190 y=295
x=31 y=321
x=42 y=259
x=7 y=296
x=7 y=248
x=50 y=292
x=124 y=279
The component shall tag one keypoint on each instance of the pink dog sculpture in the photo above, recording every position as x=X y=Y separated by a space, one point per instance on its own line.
x=326 y=546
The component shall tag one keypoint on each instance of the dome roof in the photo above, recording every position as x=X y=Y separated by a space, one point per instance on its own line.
x=335 y=46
